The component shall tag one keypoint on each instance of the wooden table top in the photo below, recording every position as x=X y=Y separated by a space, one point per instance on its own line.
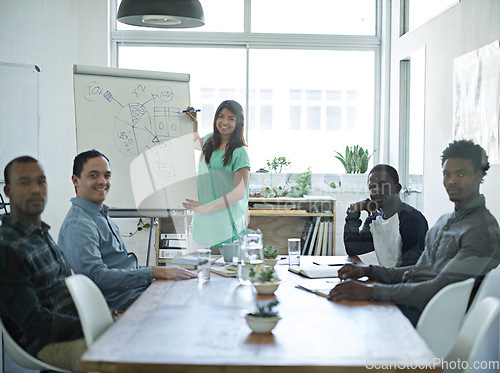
x=185 y=326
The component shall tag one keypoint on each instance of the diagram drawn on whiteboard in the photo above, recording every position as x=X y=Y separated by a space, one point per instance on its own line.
x=147 y=124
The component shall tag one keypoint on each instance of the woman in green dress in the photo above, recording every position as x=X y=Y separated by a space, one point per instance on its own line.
x=223 y=177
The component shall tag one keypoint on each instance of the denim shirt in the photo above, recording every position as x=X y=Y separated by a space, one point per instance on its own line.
x=461 y=245
x=35 y=304
x=92 y=244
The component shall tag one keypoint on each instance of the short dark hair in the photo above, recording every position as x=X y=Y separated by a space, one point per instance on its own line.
x=386 y=168
x=82 y=158
x=22 y=159
x=466 y=149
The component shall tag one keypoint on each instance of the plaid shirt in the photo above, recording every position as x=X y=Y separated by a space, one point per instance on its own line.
x=35 y=304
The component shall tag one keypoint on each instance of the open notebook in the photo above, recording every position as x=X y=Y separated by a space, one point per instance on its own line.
x=316 y=271
x=320 y=287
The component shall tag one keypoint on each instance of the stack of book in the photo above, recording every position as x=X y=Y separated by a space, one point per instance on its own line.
x=319 y=238
x=171 y=245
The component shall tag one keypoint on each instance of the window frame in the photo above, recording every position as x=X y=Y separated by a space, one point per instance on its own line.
x=248 y=41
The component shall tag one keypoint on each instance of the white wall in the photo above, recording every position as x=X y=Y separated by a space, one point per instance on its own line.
x=467 y=26
x=55 y=35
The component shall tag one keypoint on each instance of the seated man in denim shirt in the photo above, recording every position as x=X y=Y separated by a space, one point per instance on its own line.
x=461 y=245
x=91 y=240
x=35 y=304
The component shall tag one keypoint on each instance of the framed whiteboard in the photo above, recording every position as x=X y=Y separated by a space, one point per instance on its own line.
x=20 y=112
x=135 y=118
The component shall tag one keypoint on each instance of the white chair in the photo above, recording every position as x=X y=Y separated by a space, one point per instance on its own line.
x=21 y=357
x=443 y=316
x=476 y=324
x=91 y=305
x=490 y=287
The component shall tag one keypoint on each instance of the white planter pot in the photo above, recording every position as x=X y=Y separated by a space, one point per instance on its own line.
x=262 y=324
x=266 y=288
x=354 y=182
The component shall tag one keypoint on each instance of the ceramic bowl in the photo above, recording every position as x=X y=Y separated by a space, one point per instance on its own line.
x=266 y=287
x=261 y=325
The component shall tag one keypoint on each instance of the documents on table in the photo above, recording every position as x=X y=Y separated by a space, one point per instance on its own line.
x=316 y=271
x=316 y=286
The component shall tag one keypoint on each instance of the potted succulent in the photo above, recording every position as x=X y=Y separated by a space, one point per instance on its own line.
x=264 y=279
x=355 y=162
x=264 y=319
x=270 y=255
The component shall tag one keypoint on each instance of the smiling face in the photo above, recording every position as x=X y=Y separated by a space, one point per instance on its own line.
x=381 y=187
x=461 y=181
x=225 y=122
x=27 y=191
x=94 y=182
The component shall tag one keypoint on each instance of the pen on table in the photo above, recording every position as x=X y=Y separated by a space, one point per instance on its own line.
x=191 y=111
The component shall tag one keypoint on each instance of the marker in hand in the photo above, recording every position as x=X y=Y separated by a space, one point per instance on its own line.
x=191 y=111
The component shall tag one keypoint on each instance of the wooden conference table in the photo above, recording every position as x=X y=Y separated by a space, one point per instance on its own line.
x=189 y=327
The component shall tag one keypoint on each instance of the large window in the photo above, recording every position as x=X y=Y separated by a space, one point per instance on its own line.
x=307 y=80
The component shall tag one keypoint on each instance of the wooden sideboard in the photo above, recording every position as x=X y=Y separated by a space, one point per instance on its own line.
x=283 y=218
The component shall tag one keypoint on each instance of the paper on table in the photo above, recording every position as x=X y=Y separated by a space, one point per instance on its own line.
x=334 y=260
x=317 y=286
x=224 y=271
x=316 y=271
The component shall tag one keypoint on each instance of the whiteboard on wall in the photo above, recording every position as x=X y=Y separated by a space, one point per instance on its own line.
x=135 y=118
x=19 y=108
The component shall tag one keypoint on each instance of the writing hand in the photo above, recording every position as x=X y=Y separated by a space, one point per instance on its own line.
x=192 y=114
x=353 y=271
x=350 y=290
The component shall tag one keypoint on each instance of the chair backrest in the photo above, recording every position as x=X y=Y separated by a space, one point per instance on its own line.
x=91 y=305
x=490 y=287
x=443 y=316
x=21 y=357
x=476 y=324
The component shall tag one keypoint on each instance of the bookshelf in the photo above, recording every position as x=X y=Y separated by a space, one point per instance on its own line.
x=283 y=218
x=278 y=218
x=175 y=224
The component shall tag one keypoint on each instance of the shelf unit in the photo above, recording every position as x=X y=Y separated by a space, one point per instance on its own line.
x=177 y=222
x=295 y=216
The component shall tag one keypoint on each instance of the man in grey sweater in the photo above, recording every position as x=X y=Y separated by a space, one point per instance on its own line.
x=461 y=245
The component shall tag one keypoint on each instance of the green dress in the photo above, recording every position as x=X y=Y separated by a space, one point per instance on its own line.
x=216 y=228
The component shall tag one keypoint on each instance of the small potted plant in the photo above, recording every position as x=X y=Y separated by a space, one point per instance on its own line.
x=264 y=279
x=270 y=255
x=264 y=319
x=276 y=165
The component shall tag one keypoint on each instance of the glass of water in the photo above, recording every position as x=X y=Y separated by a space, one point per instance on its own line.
x=294 y=251
x=251 y=255
x=204 y=256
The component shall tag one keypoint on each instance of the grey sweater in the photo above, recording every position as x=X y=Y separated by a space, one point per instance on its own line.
x=461 y=245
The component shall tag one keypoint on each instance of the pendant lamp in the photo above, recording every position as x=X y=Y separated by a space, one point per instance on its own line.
x=161 y=13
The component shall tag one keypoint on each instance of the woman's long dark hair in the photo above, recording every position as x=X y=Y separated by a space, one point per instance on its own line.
x=237 y=138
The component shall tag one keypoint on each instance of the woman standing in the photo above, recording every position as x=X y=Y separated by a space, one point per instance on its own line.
x=223 y=176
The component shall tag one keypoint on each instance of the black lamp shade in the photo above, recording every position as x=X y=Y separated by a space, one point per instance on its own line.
x=161 y=13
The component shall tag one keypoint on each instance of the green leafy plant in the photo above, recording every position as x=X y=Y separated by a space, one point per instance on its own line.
x=355 y=160
x=270 y=252
x=277 y=164
x=266 y=310
x=141 y=225
x=276 y=192
x=304 y=181
x=262 y=274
